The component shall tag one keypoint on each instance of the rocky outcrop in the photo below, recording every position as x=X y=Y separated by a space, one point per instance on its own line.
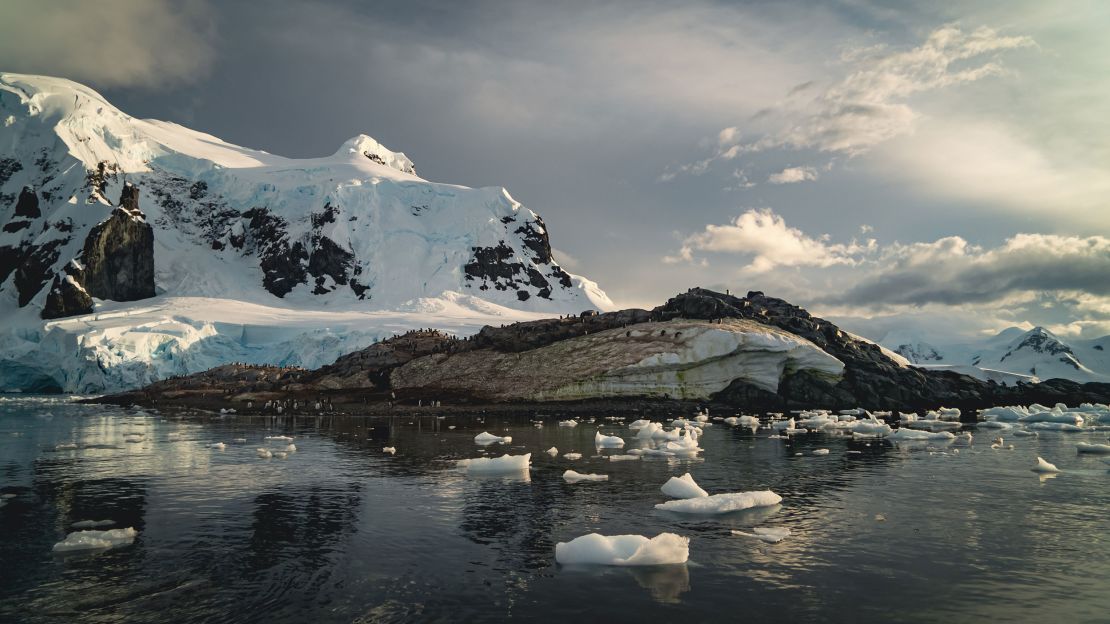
x=67 y=295
x=27 y=205
x=118 y=255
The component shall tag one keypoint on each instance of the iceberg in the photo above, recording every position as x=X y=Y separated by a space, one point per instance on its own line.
x=905 y=435
x=552 y=451
x=614 y=458
x=572 y=456
x=389 y=449
x=263 y=453
x=219 y=446
x=571 y=476
x=1093 y=449
x=624 y=550
x=722 y=503
x=568 y=423
x=771 y=535
x=821 y=451
x=604 y=441
x=486 y=438
x=506 y=464
x=683 y=487
x=638 y=424
x=92 y=540
x=1043 y=466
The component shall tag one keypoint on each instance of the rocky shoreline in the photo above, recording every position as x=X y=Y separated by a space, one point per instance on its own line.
x=701 y=348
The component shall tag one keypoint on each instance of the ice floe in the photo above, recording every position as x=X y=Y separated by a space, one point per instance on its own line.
x=772 y=535
x=279 y=437
x=291 y=448
x=614 y=458
x=722 y=503
x=1043 y=466
x=571 y=476
x=552 y=451
x=92 y=540
x=904 y=434
x=572 y=456
x=683 y=487
x=486 y=438
x=624 y=550
x=820 y=451
x=606 y=441
x=263 y=453
x=389 y=449
x=506 y=464
x=568 y=423
x=1093 y=449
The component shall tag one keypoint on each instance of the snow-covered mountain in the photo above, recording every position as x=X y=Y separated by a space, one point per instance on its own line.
x=1011 y=355
x=213 y=230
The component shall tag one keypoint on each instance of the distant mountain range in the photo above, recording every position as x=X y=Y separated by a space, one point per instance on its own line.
x=1012 y=355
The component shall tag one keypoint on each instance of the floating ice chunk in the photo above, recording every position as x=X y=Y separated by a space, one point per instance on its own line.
x=239 y=441
x=1093 y=449
x=553 y=451
x=453 y=426
x=783 y=425
x=486 y=438
x=994 y=424
x=389 y=449
x=1021 y=433
x=572 y=456
x=568 y=423
x=281 y=454
x=934 y=425
x=905 y=434
x=279 y=437
x=622 y=457
x=133 y=438
x=65 y=446
x=263 y=453
x=292 y=448
x=1043 y=466
x=683 y=487
x=219 y=446
x=650 y=452
x=702 y=418
x=771 y=535
x=89 y=524
x=91 y=540
x=624 y=550
x=722 y=503
x=820 y=451
x=506 y=464
x=869 y=428
x=638 y=424
x=571 y=476
x=732 y=420
x=1056 y=426
x=605 y=441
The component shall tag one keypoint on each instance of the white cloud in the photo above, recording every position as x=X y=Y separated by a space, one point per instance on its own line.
x=764 y=237
x=792 y=175
x=109 y=42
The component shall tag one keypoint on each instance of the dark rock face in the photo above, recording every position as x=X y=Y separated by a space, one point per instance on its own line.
x=499 y=268
x=67 y=296
x=282 y=263
x=329 y=260
x=119 y=253
x=32 y=271
x=28 y=204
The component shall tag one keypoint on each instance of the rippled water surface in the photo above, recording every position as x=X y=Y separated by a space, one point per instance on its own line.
x=340 y=531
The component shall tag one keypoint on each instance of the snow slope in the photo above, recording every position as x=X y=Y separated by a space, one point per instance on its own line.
x=1011 y=356
x=356 y=234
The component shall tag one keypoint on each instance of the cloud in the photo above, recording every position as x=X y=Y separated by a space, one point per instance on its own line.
x=792 y=175
x=764 y=237
x=107 y=43
x=951 y=271
x=869 y=104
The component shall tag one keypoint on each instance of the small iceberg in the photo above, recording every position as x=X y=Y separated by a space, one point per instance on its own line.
x=771 y=535
x=606 y=441
x=65 y=446
x=650 y=452
x=909 y=435
x=683 y=487
x=571 y=476
x=722 y=503
x=552 y=451
x=624 y=550
x=219 y=446
x=820 y=452
x=568 y=423
x=614 y=458
x=572 y=456
x=486 y=438
x=133 y=438
x=1043 y=466
x=1093 y=449
x=90 y=524
x=93 y=540
x=506 y=464
x=279 y=437
x=263 y=453
x=292 y=448
x=389 y=449
x=239 y=441
x=638 y=424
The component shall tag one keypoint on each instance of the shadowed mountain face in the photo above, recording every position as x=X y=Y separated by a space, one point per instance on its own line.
x=754 y=352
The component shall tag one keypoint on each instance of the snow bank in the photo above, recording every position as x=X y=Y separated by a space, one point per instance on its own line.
x=571 y=476
x=92 y=540
x=722 y=503
x=624 y=550
x=506 y=464
x=683 y=487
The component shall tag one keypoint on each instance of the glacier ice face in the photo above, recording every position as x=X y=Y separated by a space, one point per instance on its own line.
x=356 y=231
x=624 y=550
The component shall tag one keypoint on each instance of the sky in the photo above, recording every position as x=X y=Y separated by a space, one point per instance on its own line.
x=942 y=167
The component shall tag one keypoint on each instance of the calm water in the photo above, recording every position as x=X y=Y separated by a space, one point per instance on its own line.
x=341 y=532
